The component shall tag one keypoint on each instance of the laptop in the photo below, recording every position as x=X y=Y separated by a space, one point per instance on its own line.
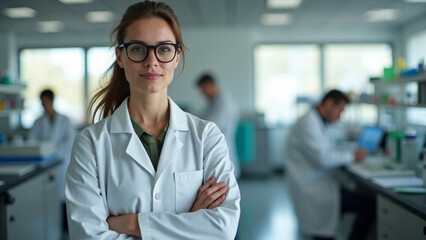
x=370 y=138
x=376 y=165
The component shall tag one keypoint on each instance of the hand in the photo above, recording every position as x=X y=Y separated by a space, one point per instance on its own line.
x=360 y=154
x=127 y=224
x=210 y=195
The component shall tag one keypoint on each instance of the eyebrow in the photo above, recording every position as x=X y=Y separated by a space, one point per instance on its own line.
x=160 y=42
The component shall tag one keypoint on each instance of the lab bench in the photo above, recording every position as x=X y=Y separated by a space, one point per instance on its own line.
x=398 y=215
x=30 y=205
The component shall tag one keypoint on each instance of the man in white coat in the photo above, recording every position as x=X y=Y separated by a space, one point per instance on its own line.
x=224 y=112
x=310 y=162
x=57 y=128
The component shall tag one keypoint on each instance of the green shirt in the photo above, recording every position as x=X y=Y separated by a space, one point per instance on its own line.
x=149 y=143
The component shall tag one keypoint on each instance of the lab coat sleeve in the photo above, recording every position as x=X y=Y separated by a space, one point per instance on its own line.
x=219 y=223
x=316 y=146
x=86 y=209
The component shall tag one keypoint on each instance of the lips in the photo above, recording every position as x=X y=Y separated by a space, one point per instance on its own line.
x=151 y=76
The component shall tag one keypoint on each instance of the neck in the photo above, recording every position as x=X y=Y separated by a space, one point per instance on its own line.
x=149 y=110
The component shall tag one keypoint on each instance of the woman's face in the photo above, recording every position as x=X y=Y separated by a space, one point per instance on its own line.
x=150 y=75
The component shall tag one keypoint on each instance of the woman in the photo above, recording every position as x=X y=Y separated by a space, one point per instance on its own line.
x=148 y=169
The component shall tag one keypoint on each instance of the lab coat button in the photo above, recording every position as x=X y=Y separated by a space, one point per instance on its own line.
x=157 y=196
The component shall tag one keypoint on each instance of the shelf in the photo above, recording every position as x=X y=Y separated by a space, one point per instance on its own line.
x=402 y=105
x=11 y=89
x=404 y=80
x=7 y=112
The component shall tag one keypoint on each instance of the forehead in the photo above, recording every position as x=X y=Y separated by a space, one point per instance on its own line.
x=150 y=30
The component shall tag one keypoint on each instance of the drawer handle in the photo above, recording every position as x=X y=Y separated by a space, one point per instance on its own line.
x=51 y=178
x=12 y=219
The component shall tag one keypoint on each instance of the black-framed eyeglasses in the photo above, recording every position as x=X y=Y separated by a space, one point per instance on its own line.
x=138 y=52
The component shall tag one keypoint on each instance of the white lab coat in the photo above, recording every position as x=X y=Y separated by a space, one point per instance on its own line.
x=223 y=111
x=310 y=161
x=61 y=132
x=110 y=173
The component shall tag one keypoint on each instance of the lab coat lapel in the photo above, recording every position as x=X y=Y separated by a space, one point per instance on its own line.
x=121 y=124
x=172 y=144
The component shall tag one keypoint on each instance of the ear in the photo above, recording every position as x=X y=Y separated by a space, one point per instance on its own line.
x=118 y=56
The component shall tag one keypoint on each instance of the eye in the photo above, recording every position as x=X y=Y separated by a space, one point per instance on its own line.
x=136 y=48
x=165 y=48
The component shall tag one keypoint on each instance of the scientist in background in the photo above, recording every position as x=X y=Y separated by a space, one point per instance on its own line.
x=57 y=128
x=310 y=162
x=224 y=112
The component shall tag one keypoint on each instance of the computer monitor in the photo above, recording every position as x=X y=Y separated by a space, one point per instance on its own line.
x=370 y=138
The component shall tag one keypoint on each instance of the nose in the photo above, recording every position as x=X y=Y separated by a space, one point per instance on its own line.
x=151 y=59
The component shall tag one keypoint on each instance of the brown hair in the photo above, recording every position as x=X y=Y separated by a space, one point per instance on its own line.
x=109 y=97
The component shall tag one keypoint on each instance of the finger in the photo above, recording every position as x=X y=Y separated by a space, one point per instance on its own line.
x=211 y=190
x=214 y=196
x=205 y=186
x=218 y=201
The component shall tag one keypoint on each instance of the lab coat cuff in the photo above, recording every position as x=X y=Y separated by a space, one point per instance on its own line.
x=144 y=226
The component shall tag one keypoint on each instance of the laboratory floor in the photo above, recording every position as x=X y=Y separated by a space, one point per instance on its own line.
x=266 y=210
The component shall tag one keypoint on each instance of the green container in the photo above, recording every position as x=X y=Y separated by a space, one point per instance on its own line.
x=389 y=74
x=394 y=145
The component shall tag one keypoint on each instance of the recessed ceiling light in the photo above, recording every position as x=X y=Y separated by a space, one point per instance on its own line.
x=20 y=12
x=275 y=19
x=50 y=26
x=99 y=16
x=75 y=1
x=380 y=15
x=283 y=3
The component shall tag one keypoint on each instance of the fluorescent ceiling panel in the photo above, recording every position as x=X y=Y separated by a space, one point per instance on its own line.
x=283 y=3
x=381 y=15
x=49 y=26
x=416 y=1
x=99 y=16
x=21 y=12
x=75 y=1
x=275 y=19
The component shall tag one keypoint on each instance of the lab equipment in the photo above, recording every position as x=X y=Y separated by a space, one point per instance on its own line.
x=393 y=145
x=409 y=152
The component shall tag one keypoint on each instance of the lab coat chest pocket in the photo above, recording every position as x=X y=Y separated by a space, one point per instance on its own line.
x=186 y=187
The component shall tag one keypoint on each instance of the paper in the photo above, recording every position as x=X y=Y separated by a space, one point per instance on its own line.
x=401 y=181
x=16 y=170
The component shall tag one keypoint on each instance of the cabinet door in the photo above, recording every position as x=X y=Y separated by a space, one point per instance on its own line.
x=25 y=215
x=52 y=205
x=399 y=220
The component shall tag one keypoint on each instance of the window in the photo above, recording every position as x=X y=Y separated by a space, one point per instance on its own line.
x=284 y=74
x=288 y=77
x=348 y=67
x=62 y=70
x=99 y=60
x=416 y=52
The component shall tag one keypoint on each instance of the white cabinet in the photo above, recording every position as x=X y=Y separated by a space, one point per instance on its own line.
x=395 y=222
x=35 y=211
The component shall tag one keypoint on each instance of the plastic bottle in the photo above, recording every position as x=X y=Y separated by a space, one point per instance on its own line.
x=394 y=145
x=409 y=151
